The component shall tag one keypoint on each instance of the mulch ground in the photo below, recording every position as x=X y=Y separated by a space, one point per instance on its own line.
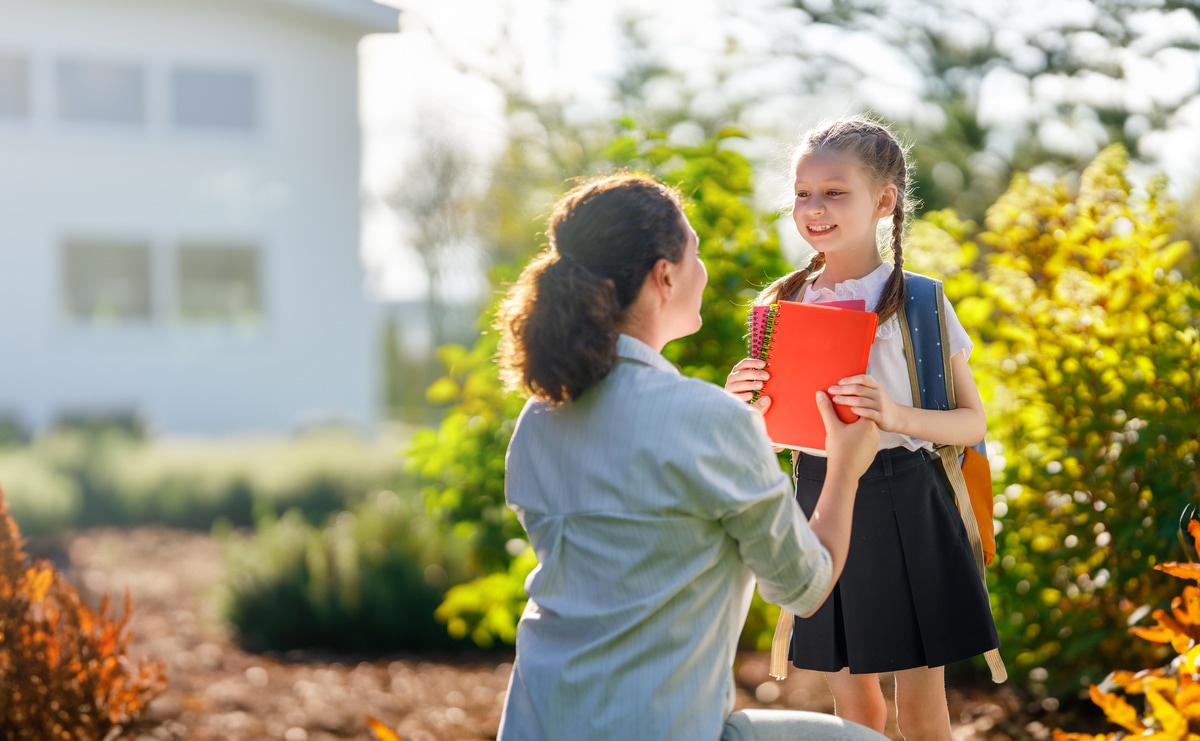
x=219 y=692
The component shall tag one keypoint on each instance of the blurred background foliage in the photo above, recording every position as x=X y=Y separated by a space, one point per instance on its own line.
x=81 y=477
x=1071 y=266
x=1084 y=307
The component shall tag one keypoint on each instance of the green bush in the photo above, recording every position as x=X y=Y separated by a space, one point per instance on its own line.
x=487 y=609
x=1088 y=347
x=368 y=580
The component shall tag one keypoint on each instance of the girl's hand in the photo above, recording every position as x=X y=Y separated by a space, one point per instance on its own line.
x=746 y=378
x=868 y=400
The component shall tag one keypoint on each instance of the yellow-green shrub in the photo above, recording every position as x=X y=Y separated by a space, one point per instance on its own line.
x=1088 y=362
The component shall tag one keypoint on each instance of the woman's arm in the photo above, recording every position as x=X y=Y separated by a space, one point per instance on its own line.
x=797 y=562
x=851 y=448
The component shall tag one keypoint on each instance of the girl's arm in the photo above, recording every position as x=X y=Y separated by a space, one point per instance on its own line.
x=964 y=426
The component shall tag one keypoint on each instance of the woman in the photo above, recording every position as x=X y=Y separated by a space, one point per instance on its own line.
x=651 y=500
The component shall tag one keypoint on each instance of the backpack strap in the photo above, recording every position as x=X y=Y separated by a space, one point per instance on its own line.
x=927 y=349
x=923 y=328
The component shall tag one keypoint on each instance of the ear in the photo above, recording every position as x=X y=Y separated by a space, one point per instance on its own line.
x=663 y=275
x=886 y=205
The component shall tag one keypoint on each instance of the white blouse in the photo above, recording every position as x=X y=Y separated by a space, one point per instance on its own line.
x=888 y=364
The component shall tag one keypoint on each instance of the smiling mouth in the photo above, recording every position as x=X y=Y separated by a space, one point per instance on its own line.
x=821 y=229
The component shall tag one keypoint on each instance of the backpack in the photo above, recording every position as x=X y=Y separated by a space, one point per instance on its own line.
x=927 y=349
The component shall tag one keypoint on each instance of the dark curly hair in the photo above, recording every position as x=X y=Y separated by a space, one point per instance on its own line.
x=559 y=321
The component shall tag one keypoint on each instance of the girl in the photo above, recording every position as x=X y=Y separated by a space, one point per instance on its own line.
x=909 y=600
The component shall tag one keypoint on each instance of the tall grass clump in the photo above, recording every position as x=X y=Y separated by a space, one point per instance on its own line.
x=367 y=580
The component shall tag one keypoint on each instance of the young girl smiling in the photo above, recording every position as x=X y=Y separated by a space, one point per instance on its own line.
x=910 y=600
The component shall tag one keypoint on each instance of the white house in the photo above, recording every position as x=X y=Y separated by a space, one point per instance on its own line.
x=180 y=214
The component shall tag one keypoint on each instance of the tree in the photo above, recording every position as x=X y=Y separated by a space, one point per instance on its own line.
x=1076 y=78
x=436 y=198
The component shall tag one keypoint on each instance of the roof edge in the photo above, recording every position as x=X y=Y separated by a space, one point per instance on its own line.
x=366 y=16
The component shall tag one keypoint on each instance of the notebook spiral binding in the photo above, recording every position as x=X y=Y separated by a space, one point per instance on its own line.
x=762 y=321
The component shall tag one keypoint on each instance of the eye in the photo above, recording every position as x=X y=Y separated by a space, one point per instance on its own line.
x=835 y=193
x=802 y=194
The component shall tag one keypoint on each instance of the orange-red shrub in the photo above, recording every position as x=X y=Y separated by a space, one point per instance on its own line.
x=1171 y=707
x=64 y=673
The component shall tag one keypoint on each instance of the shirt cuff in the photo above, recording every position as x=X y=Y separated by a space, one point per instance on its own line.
x=811 y=594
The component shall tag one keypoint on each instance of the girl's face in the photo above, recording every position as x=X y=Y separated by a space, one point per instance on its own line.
x=837 y=207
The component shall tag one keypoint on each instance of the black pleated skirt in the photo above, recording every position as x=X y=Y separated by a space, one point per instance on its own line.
x=909 y=595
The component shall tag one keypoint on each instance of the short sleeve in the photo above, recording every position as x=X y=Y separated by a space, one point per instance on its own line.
x=959 y=339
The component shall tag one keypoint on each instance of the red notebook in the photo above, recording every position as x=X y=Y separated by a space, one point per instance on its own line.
x=808 y=347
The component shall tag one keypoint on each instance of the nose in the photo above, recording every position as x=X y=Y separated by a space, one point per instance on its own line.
x=816 y=205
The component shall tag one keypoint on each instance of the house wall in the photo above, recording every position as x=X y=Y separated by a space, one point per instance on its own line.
x=289 y=186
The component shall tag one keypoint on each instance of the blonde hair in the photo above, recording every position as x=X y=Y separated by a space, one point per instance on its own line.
x=884 y=160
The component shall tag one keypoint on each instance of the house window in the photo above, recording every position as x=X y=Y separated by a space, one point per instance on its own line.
x=218 y=283
x=14 y=87
x=214 y=99
x=106 y=281
x=97 y=91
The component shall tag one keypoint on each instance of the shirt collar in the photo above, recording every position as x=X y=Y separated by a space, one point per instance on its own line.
x=631 y=348
x=868 y=288
x=877 y=277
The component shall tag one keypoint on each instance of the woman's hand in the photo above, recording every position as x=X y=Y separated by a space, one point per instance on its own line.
x=867 y=398
x=746 y=378
x=851 y=447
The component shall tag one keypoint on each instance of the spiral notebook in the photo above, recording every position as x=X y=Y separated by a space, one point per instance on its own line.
x=808 y=347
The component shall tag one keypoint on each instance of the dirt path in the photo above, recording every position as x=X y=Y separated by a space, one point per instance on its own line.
x=218 y=692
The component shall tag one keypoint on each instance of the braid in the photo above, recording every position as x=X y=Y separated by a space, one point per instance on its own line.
x=787 y=286
x=893 y=294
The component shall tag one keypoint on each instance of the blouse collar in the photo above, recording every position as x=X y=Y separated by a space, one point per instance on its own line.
x=868 y=288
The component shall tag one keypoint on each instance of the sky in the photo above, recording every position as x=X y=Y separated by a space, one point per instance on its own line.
x=409 y=74
x=724 y=50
